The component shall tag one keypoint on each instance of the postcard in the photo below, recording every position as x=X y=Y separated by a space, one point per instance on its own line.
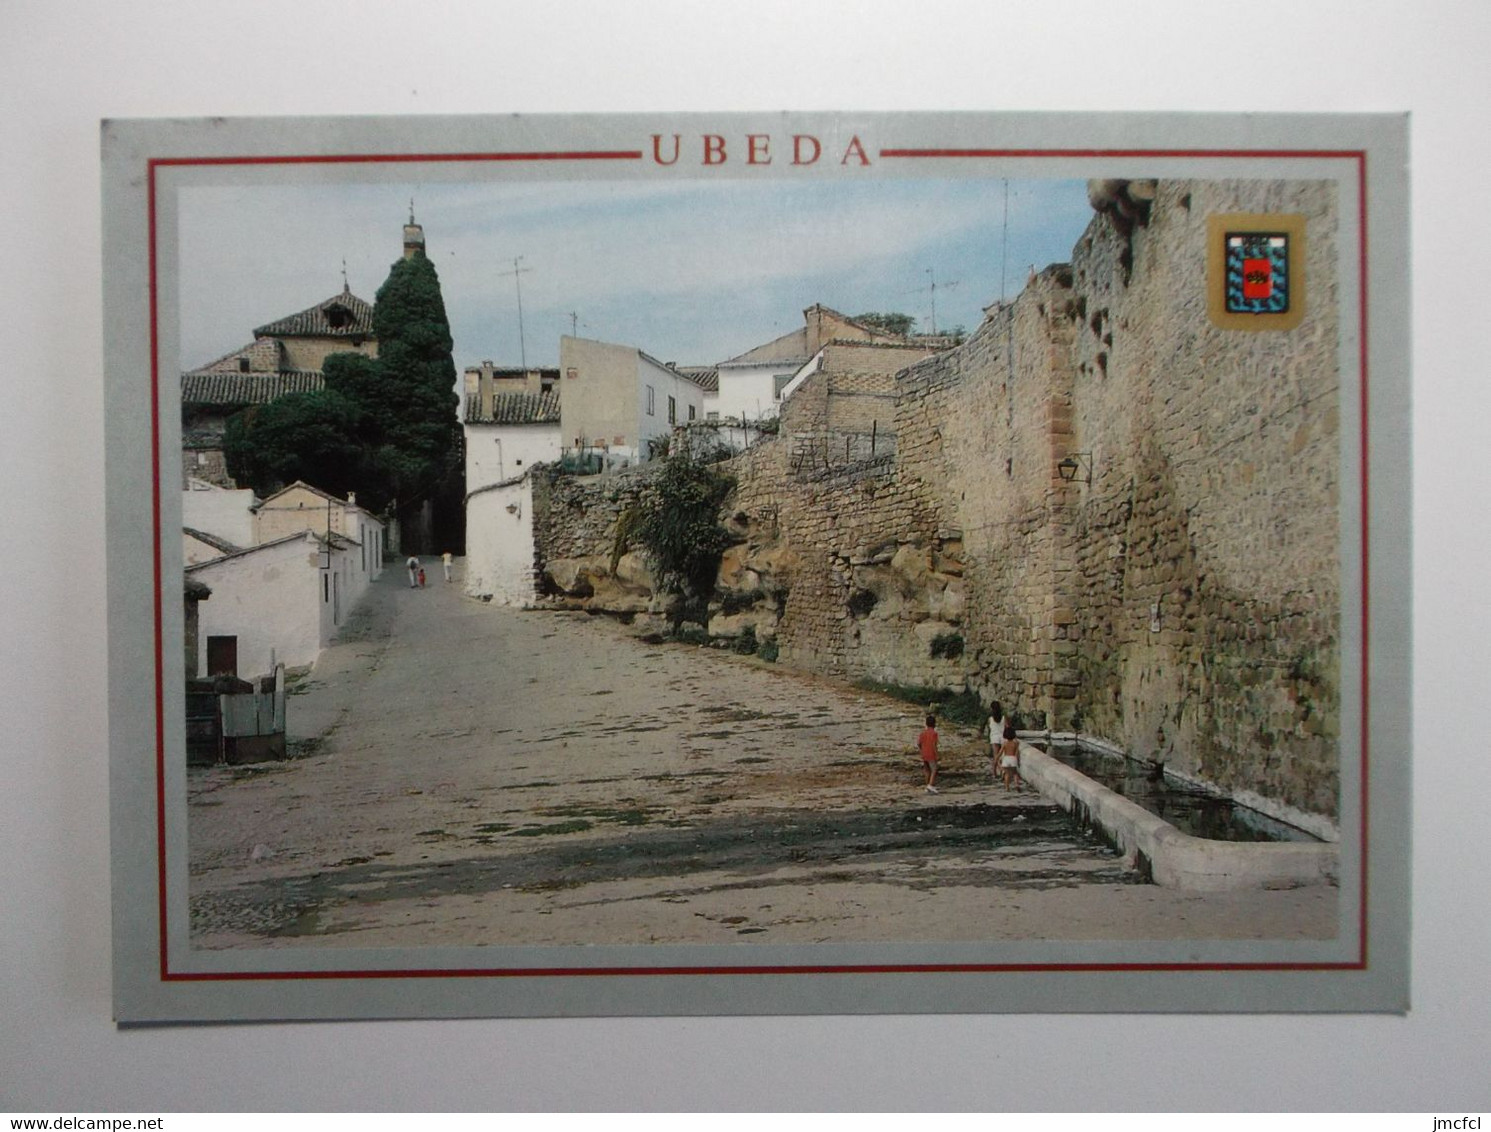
x=757 y=564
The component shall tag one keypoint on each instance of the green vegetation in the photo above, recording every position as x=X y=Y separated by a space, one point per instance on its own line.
x=953 y=707
x=947 y=646
x=301 y=436
x=891 y=322
x=679 y=531
x=383 y=427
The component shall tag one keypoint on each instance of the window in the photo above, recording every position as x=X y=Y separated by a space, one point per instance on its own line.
x=571 y=372
x=692 y=412
x=711 y=416
x=243 y=365
x=672 y=410
x=778 y=383
x=651 y=411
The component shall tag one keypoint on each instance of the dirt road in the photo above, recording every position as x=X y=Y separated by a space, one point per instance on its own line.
x=478 y=775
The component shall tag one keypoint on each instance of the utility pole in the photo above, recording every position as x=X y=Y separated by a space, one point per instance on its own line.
x=516 y=273
x=1004 y=241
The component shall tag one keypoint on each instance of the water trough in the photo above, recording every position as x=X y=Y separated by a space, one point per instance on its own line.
x=1170 y=857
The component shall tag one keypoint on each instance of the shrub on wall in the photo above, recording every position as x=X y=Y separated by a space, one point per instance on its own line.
x=679 y=530
x=947 y=646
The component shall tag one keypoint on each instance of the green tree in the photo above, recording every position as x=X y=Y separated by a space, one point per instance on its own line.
x=679 y=529
x=891 y=322
x=301 y=436
x=409 y=397
x=384 y=427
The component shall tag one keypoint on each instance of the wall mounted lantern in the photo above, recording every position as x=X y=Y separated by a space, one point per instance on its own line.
x=1076 y=462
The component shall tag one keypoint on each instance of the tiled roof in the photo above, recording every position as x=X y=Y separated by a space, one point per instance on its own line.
x=516 y=408
x=245 y=388
x=298 y=485
x=320 y=321
x=220 y=544
x=706 y=378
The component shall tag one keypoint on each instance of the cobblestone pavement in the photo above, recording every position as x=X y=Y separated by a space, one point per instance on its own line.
x=470 y=774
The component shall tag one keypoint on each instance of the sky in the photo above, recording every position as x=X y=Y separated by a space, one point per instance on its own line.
x=692 y=272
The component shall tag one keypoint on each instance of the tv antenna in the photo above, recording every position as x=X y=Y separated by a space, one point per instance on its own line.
x=931 y=290
x=517 y=272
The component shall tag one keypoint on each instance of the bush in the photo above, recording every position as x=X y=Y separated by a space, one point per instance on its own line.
x=947 y=646
x=679 y=528
x=954 y=707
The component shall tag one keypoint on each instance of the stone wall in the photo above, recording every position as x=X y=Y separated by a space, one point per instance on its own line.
x=1184 y=603
x=1208 y=541
x=1178 y=595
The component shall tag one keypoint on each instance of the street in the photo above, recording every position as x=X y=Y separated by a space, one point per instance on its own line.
x=470 y=774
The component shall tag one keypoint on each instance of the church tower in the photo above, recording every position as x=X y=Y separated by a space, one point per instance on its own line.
x=414 y=236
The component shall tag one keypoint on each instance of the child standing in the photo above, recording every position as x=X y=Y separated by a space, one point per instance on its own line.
x=1009 y=758
x=997 y=723
x=927 y=743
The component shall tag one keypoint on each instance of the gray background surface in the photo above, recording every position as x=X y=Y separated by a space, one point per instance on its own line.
x=65 y=69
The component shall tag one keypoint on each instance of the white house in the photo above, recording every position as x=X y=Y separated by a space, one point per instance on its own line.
x=199 y=546
x=499 y=541
x=616 y=399
x=301 y=507
x=277 y=603
x=282 y=595
x=224 y=513
x=752 y=384
x=507 y=433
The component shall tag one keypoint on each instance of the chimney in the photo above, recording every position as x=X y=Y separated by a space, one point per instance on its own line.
x=485 y=390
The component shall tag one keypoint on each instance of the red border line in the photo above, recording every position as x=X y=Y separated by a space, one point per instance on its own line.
x=1077 y=153
x=402 y=158
x=166 y=975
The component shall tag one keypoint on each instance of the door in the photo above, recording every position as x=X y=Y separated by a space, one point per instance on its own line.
x=222 y=656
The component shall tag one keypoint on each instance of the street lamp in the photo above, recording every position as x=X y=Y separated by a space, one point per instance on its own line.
x=1076 y=462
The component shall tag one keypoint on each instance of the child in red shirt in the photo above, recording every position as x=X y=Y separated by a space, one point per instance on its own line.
x=927 y=743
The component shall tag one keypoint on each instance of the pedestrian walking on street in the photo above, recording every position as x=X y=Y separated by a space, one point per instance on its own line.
x=1009 y=758
x=421 y=577
x=927 y=743
x=413 y=566
x=445 y=561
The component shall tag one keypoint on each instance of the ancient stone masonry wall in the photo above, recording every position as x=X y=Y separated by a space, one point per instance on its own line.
x=977 y=427
x=576 y=526
x=1207 y=543
x=868 y=584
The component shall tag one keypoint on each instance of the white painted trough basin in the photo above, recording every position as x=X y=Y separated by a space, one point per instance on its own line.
x=1172 y=858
